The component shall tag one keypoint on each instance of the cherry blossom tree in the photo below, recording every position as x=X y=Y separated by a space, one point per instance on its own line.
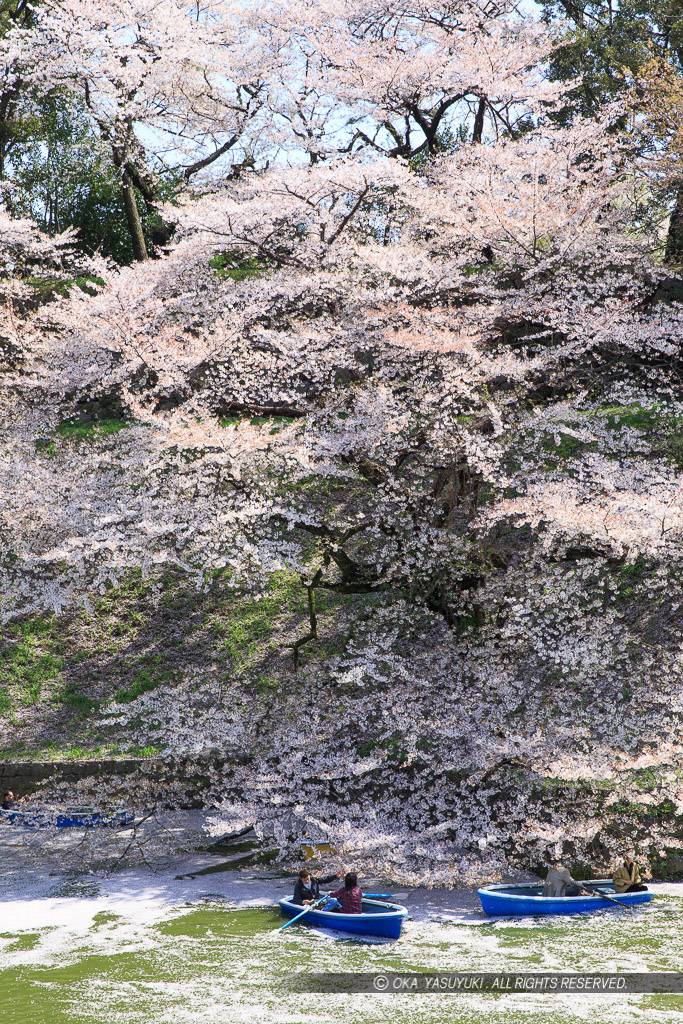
x=446 y=394
x=323 y=272
x=404 y=79
x=13 y=13
x=191 y=87
x=157 y=79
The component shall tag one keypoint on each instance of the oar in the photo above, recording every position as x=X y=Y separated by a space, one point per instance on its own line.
x=304 y=911
x=377 y=896
x=604 y=897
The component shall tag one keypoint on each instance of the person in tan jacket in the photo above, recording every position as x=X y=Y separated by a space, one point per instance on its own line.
x=626 y=876
x=557 y=880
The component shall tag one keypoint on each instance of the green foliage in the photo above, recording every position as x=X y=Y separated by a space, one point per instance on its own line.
x=47 y=447
x=151 y=674
x=394 y=748
x=23 y=943
x=464 y=623
x=30 y=660
x=448 y=140
x=581 y=871
x=135 y=638
x=54 y=751
x=267 y=684
x=74 y=700
x=675 y=448
x=636 y=416
x=234 y=265
x=250 y=620
x=631 y=576
x=86 y=281
x=568 y=448
x=551 y=450
x=392 y=745
x=71 y=752
x=83 y=431
x=65 y=177
x=629 y=809
x=663 y=428
x=665 y=864
x=602 y=41
x=47 y=288
x=604 y=44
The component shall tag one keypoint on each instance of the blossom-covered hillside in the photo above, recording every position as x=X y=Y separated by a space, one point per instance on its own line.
x=378 y=550
x=371 y=481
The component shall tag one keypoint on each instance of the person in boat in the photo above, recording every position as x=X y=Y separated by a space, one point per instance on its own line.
x=626 y=876
x=348 y=900
x=557 y=880
x=8 y=800
x=307 y=888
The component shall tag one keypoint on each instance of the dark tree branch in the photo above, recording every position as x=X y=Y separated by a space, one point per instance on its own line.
x=206 y=161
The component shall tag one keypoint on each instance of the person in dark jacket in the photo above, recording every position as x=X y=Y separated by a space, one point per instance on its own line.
x=307 y=888
x=8 y=800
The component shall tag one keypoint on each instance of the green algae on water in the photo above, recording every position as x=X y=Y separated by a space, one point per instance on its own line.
x=210 y=963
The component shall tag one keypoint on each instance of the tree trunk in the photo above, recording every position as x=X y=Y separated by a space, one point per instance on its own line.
x=6 y=137
x=674 y=236
x=133 y=217
x=479 y=121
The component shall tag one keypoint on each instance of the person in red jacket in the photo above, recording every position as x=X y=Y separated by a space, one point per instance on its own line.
x=350 y=896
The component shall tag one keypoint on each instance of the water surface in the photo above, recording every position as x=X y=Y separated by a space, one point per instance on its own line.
x=144 y=948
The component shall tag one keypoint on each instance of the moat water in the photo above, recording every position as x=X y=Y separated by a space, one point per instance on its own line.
x=141 y=947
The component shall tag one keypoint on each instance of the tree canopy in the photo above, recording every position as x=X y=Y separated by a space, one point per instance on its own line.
x=110 y=108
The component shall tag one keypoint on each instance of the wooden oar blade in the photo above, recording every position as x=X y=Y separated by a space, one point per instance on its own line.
x=604 y=896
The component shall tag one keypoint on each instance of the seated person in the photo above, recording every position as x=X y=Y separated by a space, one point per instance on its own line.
x=8 y=800
x=626 y=876
x=557 y=880
x=350 y=897
x=307 y=888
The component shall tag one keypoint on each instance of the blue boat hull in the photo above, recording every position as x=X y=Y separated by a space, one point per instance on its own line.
x=378 y=920
x=526 y=900
x=37 y=818
x=95 y=820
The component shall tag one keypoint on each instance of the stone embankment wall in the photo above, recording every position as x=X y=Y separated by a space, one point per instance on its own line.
x=185 y=781
x=24 y=777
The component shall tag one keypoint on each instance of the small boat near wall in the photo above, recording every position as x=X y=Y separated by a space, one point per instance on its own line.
x=71 y=817
x=377 y=920
x=527 y=899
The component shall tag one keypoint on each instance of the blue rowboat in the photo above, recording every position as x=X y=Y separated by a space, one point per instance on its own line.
x=379 y=920
x=527 y=899
x=86 y=817
x=73 y=817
